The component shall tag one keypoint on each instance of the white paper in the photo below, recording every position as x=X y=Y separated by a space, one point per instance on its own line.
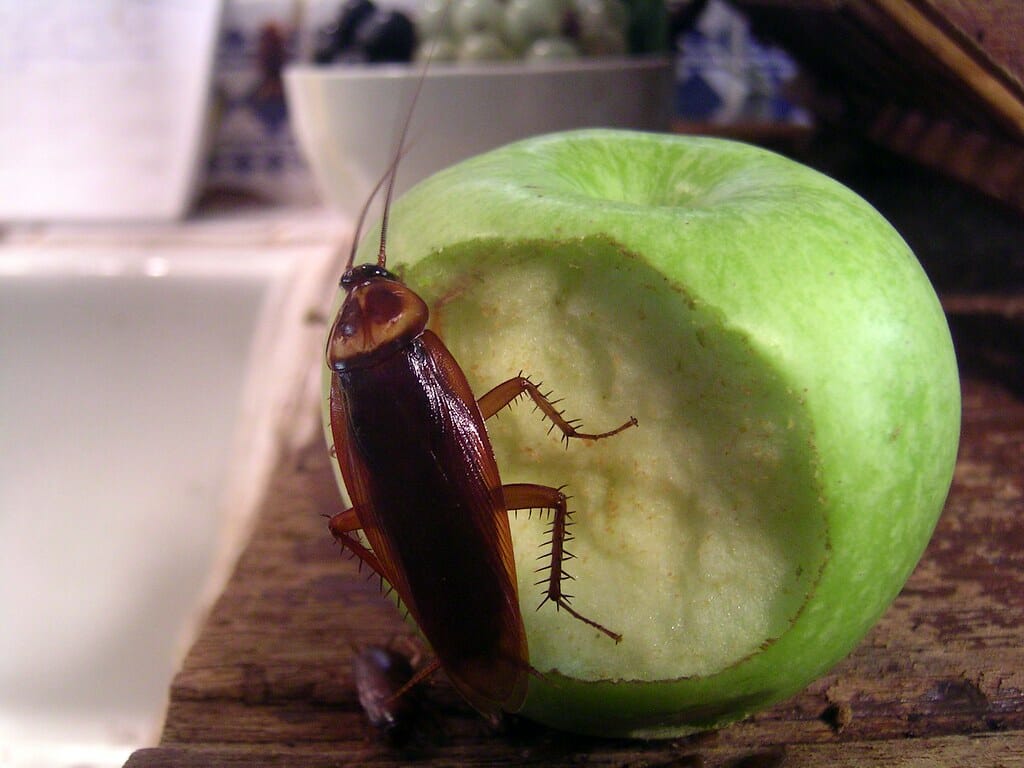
x=103 y=106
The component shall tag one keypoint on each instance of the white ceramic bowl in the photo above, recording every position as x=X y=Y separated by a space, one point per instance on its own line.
x=347 y=118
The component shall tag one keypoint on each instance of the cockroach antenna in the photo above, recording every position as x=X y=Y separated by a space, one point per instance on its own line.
x=391 y=173
x=393 y=170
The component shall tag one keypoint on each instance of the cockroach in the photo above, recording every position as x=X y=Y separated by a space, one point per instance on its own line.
x=415 y=457
x=380 y=673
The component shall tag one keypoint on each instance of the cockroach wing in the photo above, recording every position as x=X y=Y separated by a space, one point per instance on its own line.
x=414 y=453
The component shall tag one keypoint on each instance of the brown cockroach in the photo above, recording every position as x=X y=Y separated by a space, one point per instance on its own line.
x=415 y=457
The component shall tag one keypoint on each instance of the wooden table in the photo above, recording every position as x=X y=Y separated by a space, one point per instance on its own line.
x=939 y=681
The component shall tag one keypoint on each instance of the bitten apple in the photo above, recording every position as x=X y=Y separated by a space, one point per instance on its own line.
x=796 y=390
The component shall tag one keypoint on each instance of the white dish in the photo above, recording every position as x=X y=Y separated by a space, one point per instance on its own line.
x=121 y=389
x=103 y=107
x=347 y=118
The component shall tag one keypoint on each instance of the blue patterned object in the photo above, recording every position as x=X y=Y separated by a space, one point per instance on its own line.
x=724 y=75
x=253 y=149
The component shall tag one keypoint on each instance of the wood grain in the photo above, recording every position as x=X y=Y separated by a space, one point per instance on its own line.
x=942 y=58
x=938 y=81
x=940 y=679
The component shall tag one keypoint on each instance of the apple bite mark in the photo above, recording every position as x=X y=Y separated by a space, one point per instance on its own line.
x=703 y=533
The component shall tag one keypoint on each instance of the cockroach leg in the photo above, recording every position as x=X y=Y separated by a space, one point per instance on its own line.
x=341 y=526
x=533 y=496
x=421 y=674
x=506 y=393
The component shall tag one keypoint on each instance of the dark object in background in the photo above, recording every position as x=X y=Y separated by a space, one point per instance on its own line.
x=386 y=36
x=266 y=98
x=363 y=33
x=682 y=14
x=379 y=674
x=334 y=38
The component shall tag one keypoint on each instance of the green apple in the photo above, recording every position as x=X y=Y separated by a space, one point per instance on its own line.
x=796 y=390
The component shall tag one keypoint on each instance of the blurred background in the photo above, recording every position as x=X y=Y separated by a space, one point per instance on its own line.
x=174 y=174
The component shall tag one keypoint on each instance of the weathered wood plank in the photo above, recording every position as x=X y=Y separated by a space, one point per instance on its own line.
x=985 y=751
x=272 y=665
x=939 y=680
x=938 y=81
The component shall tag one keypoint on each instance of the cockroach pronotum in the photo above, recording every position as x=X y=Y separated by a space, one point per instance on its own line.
x=415 y=457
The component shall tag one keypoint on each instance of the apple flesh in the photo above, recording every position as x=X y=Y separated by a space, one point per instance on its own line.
x=796 y=390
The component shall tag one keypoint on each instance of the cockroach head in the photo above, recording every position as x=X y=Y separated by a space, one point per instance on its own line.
x=362 y=273
x=379 y=316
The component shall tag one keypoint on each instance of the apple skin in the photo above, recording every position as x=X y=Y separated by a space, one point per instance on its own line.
x=815 y=281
